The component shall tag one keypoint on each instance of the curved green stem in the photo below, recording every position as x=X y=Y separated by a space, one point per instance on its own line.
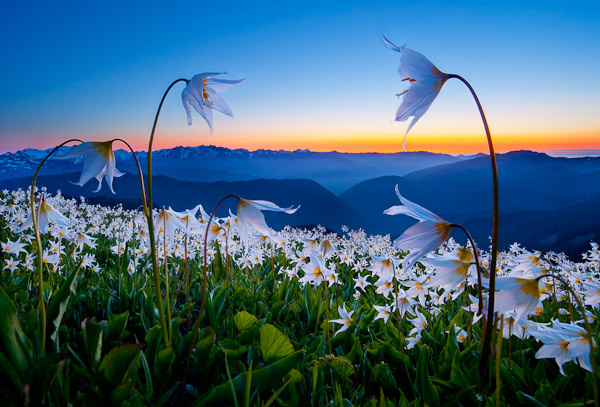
x=140 y=173
x=150 y=220
x=204 y=278
x=485 y=351
x=38 y=240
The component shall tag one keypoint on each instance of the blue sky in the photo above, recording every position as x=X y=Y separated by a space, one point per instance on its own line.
x=314 y=72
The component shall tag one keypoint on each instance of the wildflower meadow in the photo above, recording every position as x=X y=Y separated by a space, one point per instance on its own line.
x=154 y=307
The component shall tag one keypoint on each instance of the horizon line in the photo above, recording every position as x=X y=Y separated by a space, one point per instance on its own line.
x=568 y=153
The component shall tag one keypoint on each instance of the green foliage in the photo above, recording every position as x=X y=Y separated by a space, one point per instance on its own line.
x=273 y=344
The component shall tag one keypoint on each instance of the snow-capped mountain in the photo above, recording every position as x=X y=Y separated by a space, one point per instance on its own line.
x=334 y=170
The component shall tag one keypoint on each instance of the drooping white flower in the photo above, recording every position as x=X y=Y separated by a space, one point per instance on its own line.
x=422 y=238
x=46 y=214
x=424 y=80
x=250 y=216
x=517 y=294
x=99 y=162
x=166 y=222
x=202 y=93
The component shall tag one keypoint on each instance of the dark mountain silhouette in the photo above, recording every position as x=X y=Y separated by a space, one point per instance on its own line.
x=318 y=205
x=545 y=203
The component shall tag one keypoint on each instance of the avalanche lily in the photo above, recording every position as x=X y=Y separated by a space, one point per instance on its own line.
x=422 y=238
x=46 y=214
x=99 y=162
x=249 y=215
x=202 y=92
x=345 y=320
x=424 y=80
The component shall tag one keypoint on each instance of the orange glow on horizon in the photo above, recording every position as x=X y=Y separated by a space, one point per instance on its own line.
x=448 y=144
x=344 y=142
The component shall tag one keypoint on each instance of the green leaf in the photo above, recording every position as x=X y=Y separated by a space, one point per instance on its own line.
x=7 y=369
x=164 y=362
x=295 y=376
x=119 y=363
x=14 y=344
x=545 y=394
x=424 y=386
x=58 y=304
x=92 y=339
x=273 y=344
x=342 y=367
x=233 y=348
x=527 y=400
x=244 y=320
x=153 y=338
x=265 y=378
x=117 y=323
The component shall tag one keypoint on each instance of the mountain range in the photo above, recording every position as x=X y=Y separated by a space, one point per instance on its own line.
x=335 y=171
x=546 y=203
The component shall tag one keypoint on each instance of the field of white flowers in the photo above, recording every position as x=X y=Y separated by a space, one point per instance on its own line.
x=292 y=318
x=103 y=306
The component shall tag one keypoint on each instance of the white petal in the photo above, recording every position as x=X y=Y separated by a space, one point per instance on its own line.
x=270 y=206
x=418 y=211
x=219 y=85
x=415 y=65
x=391 y=45
x=249 y=215
x=219 y=104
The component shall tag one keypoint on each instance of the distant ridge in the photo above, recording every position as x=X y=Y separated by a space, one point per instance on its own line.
x=546 y=203
x=335 y=171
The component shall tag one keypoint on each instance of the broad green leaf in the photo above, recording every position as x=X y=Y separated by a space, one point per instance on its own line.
x=8 y=370
x=119 y=363
x=295 y=376
x=117 y=323
x=265 y=378
x=13 y=343
x=273 y=344
x=527 y=400
x=427 y=391
x=92 y=339
x=342 y=367
x=164 y=362
x=244 y=320
x=153 y=338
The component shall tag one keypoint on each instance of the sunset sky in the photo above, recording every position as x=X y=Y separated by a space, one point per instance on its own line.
x=318 y=75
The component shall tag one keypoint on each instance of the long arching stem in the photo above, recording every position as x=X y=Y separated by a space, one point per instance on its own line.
x=204 y=277
x=139 y=168
x=149 y=218
x=38 y=240
x=485 y=351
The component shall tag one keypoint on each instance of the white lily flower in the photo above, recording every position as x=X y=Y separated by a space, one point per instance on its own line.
x=202 y=94
x=46 y=214
x=425 y=82
x=249 y=215
x=345 y=320
x=166 y=222
x=99 y=162
x=519 y=294
x=422 y=238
